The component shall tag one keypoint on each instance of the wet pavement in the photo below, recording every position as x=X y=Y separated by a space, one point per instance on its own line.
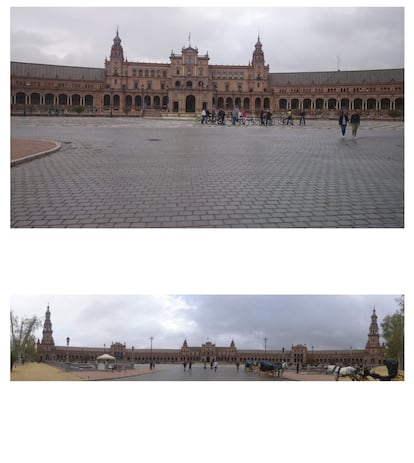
x=198 y=373
x=142 y=173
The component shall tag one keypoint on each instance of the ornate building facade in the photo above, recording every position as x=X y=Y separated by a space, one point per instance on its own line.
x=188 y=83
x=372 y=355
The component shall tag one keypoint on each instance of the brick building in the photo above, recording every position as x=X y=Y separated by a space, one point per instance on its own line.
x=188 y=83
x=373 y=354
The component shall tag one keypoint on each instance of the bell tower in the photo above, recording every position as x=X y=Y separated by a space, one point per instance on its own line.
x=45 y=347
x=117 y=52
x=116 y=67
x=374 y=350
x=258 y=55
x=260 y=72
x=47 y=338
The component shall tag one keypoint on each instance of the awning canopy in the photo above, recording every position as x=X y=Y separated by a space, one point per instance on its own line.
x=105 y=357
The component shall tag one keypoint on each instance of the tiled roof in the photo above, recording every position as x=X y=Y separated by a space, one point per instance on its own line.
x=49 y=71
x=385 y=76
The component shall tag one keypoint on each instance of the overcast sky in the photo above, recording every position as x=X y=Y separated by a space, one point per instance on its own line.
x=294 y=39
x=325 y=322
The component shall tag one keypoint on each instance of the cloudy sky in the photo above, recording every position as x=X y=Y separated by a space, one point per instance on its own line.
x=321 y=321
x=294 y=39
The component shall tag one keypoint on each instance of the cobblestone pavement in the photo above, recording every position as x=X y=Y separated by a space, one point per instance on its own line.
x=125 y=172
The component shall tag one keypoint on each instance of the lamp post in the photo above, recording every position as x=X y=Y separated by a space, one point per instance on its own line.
x=265 y=340
x=142 y=101
x=151 y=339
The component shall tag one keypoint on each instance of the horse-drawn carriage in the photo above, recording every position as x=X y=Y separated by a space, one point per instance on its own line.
x=363 y=373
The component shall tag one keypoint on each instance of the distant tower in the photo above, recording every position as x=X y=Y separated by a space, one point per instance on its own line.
x=374 y=350
x=260 y=70
x=258 y=55
x=116 y=69
x=117 y=52
x=46 y=346
x=47 y=338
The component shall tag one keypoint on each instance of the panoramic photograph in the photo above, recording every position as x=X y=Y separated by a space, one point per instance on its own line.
x=119 y=126
x=207 y=338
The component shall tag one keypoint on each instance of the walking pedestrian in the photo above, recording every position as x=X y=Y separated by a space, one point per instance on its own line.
x=234 y=116
x=343 y=121
x=289 y=118
x=297 y=367
x=302 y=118
x=215 y=365
x=203 y=116
x=189 y=367
x=355 y=121
x=185 y=365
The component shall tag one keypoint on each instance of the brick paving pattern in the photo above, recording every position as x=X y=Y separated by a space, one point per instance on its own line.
x=134 y=173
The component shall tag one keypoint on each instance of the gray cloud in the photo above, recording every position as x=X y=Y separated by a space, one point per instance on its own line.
x=294 y=39
x=325 y=322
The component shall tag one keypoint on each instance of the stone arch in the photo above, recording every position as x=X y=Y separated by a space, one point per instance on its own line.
x=190 y=104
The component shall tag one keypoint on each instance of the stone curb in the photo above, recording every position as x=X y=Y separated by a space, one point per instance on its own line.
x=39 y=154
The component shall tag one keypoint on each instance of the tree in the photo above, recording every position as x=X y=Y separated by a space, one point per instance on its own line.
x=22 y=338
x=393 y=333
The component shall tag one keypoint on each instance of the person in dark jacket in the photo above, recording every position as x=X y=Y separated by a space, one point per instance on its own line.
x=343 y=121
x=355 y=121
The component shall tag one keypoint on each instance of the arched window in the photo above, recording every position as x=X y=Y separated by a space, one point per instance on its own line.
x=76 y=100
x=266 y=103
x=282 y=104
x=177 y=84
x=319 y=103
x=307 y=103
x=189 y=84
x=63 y=99
x=294 y=103
x=358 y=103
x=35 y=98
x=399 y=104
x=344 y=103
x=246 y=104
x=385 y=103
x=371 y=103
x=88 y=100
x=332 y=103
x=49 y=99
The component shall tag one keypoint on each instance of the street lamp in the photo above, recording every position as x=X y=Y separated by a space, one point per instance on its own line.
x=151 y=338
x=265 y=340
x=142 y=101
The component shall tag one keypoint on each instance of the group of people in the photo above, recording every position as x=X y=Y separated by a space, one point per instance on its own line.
x=354 y=121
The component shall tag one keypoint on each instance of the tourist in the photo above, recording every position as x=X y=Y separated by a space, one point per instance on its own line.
x=355 y=121
x=203 y=116
x=343 y=121
x=302 y=118
x=215 y=365
x=234 y=116
x=289 y=117
x=268 y=118
x=189 y=367
x=185 y=365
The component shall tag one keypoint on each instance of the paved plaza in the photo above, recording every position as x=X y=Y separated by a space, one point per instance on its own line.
x=134 y=173
x=199 y=373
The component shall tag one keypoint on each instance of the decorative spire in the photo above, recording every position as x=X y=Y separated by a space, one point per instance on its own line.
x=116 y=50
x=47 y=329
x=258 y=55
